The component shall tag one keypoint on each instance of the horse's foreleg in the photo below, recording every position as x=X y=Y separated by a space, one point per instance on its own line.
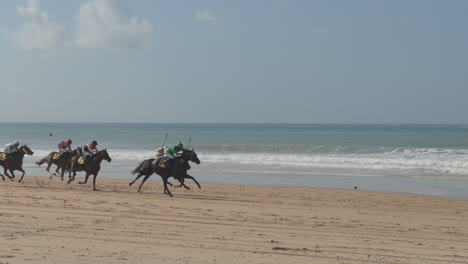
x=70 y=176
x=62 y=172
x=3 y=177
x=193 y=179
x=142 y=182
x=21 y=175
x=94 y=182
x=12 y=175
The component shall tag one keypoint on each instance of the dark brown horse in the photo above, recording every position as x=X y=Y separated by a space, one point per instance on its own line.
x=91 y=166
x=15 y=162
x=176 y=168
x=61 y=162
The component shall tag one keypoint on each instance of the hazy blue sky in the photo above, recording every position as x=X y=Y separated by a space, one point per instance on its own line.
x=234 y=61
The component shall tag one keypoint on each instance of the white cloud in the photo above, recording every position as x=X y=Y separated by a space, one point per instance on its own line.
x=99 y=24
x=205 y=16
x=38 y=33
x=107 y=23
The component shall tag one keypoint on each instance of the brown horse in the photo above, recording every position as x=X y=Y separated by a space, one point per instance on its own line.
x=61 y=162
x=15 y=162
x=90 y=167
x=176 y=168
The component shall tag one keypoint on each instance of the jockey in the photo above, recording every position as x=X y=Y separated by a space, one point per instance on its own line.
x=171 y=153
x=65 y=146
x=174 y=151
x=11 y=147
x=89 y=150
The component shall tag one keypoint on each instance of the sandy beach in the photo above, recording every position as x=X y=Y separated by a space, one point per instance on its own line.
x=48 y=221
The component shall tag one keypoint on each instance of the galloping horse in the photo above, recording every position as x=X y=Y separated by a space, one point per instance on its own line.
x=15 y=162
x=91 y=166
x=176 y=168
x=61 y=162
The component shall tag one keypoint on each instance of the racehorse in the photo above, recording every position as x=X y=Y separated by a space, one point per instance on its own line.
x=61 y=162
x=176 y=168
x=15 y=162
x=91 y=166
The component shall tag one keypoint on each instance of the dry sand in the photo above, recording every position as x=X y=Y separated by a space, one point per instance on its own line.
x=48 y=221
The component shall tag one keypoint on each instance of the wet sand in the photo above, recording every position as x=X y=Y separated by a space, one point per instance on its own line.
x=48 y=221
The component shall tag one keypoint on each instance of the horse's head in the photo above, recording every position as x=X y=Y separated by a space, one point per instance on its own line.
x=192 y=156
x=104 y=155
x=26 y=150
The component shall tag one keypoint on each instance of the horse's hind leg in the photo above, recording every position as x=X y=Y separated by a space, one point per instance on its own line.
x=3 y=177
x=49 y=163
x=182 y=184
x=137 y=177
x=86 y=179
x=5 y=171
x=143 y=181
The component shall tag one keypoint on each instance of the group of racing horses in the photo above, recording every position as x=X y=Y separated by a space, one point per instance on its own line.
x=72 y=162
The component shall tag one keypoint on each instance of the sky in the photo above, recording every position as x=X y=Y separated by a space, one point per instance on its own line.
x=243 y=61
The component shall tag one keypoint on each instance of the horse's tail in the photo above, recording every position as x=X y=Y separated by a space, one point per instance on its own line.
x=138 y=168
x=42 y=161
x=143 y=167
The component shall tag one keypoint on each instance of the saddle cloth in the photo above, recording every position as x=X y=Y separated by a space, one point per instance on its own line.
x=162 y=162
x=2 y=156
x=56 y=156
x=80 y=160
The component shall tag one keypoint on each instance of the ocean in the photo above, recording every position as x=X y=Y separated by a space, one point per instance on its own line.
x=417 y=159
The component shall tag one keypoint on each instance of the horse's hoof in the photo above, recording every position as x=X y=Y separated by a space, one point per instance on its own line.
x=130 y=184
x=97 y=190
x=81 y=183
